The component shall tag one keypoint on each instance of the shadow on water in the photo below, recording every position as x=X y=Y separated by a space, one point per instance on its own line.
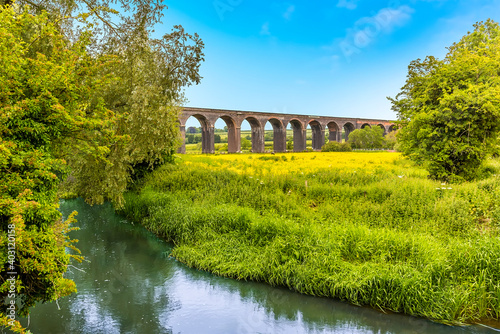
x=129 y=284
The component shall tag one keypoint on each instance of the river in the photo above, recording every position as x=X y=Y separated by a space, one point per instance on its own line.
x=129 y=284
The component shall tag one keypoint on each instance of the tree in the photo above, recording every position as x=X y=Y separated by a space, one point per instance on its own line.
x=367 y=138
x=391 y=140
x=149 y=91
x=46 y=108
x=449 y=109
x=84 y=91
x=150 y=74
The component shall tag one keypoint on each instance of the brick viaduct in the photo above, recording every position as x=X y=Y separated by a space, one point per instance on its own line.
x=279 y=122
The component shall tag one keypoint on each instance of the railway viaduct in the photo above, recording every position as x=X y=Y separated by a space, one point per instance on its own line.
x=299 y=123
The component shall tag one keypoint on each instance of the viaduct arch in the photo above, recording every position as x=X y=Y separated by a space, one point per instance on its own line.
x=279 y=122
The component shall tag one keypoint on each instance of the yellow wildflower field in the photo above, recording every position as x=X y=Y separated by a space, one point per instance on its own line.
x=305 y=163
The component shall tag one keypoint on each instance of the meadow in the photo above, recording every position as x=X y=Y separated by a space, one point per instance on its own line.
x=367 y=228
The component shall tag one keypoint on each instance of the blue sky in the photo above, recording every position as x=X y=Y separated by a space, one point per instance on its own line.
x=331 y=58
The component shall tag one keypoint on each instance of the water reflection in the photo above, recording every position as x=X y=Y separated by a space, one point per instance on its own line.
x=130 y=285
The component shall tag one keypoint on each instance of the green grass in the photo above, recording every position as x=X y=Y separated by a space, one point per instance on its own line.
x=370 y=237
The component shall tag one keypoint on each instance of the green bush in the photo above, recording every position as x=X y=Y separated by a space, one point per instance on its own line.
x=221 y=148
x=334 y=146
x=246 y=144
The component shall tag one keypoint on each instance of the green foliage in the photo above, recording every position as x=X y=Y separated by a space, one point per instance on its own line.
x=147 y=95
x=391 y=140
x=193 y=139
x=367 y=138
x=449 y=109
x=80 y=85
x=221 y=148
x=246 y=144
x=148 y=76
x=333 y=146
x=45 y=109
x=393 y=240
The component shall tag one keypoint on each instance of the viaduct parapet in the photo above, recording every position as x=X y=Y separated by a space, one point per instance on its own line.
x=257 y=120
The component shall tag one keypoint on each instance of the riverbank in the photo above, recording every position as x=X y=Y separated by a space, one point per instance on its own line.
x=368 y=228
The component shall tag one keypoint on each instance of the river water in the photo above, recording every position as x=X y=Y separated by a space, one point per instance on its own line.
x=129 y=284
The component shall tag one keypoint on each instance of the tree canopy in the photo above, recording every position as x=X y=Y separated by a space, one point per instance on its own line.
x=43 y=103
x=449 y=109
x=86 y=94
x=367 y=138
x=148 y=78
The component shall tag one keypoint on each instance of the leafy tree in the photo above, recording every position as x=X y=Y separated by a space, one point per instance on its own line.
x=391 y=140
x=45 y=108
x=150 y=74
x=367 y=138
x=449 y=109
x=80 y=87
x=217 y=139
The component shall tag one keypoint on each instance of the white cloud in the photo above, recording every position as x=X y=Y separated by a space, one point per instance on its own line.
x=264 y=30
x=349 y=4
x=384 y=21
x=289 y=11
x=367 y=29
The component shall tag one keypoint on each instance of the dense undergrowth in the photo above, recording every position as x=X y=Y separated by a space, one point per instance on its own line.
x=367 y=228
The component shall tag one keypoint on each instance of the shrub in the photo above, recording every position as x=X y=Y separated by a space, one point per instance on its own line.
x=334 y=146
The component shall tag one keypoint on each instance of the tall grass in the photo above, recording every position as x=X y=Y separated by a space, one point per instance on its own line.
x=367 y=228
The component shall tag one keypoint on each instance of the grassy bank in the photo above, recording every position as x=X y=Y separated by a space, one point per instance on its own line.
x=367 y=228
